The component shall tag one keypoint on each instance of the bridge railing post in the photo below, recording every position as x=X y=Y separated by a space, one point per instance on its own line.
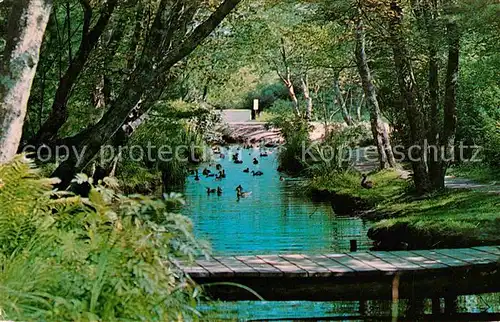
x=353 y=245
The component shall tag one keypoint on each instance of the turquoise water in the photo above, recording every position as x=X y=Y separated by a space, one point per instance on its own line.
x=275 y=218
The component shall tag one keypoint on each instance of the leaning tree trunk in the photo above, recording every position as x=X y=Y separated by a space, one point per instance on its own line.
x=379 y=130
x=27 y=24
x=287 y=78
x=342 y=102
x=88 y=143
x=90 y=37
x=409 y=94
x=293 y=97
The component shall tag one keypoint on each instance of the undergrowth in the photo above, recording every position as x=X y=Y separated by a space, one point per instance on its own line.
x=107 y=257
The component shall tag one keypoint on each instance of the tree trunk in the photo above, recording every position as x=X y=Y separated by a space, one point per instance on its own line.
x=59 y=112
x=450 y=100
x=293 y=97
x=89 y=142
x=434 y=160
x=409 y=94
x=307 y=97
x=287 y=78
x=27 y=24
x=379 y=131
x=342 y=102
x=360 y=106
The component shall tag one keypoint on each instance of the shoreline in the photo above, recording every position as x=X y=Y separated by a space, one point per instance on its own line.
x=453 y=218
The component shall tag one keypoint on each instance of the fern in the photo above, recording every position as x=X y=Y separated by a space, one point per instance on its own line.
x=105 y=257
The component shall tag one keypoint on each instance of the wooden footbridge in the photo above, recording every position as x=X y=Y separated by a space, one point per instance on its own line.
x=439 y=273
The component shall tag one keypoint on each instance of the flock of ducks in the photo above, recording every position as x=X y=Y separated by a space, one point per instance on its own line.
x=220 y=173
x=240 y=193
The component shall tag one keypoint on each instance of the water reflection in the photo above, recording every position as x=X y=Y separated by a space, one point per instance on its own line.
x=272 y=219
x=338 y=311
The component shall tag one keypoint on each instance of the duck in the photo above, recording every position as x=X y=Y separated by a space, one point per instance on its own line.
x=264 y=154
x=236 y=156
x=210 y=191
x=247 y=170
x=255 y=161
x=219 y=191
x=210 y=175
x=218 y=167
x=238 y=161
x=258 y=173
x=205 y=172
x=240 y=193
x=366 y=184
x=222 y=174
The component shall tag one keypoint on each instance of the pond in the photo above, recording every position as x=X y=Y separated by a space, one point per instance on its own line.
x=277 y=218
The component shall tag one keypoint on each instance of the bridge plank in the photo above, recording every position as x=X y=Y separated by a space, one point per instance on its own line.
x=441 y=258
x=356 y=265
x=333 y=266
x=373 y=261
x=470 y=255
x=237 y=266
x=192 y=269
x=396 y=261
x=215 y=268
x=289 y=269
x=260 y=266
x=419 y=260
x=495 y=250
x=312 y=268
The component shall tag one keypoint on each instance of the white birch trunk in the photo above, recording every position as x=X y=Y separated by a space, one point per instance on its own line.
x=27 y=24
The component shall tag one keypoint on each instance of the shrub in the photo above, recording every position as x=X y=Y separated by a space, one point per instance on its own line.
x=106 y=257
x=295 y=131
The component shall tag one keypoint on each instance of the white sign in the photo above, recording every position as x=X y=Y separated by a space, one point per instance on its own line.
x=255 y=104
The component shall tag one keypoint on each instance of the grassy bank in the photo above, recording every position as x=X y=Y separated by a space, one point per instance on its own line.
x=452 y=218
x=387 y=186
x=481 y=173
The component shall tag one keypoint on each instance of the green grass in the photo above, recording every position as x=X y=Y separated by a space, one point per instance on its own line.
x=479 y=172
x=450 y=219
x=387 y=186
x=265 y=117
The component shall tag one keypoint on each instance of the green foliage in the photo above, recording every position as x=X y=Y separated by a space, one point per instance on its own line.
x=106 y=257
x=175 y=134
x=332 y=154
x=268 y=95
x=476 y=171
x=479 y=97
x=295 y=131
